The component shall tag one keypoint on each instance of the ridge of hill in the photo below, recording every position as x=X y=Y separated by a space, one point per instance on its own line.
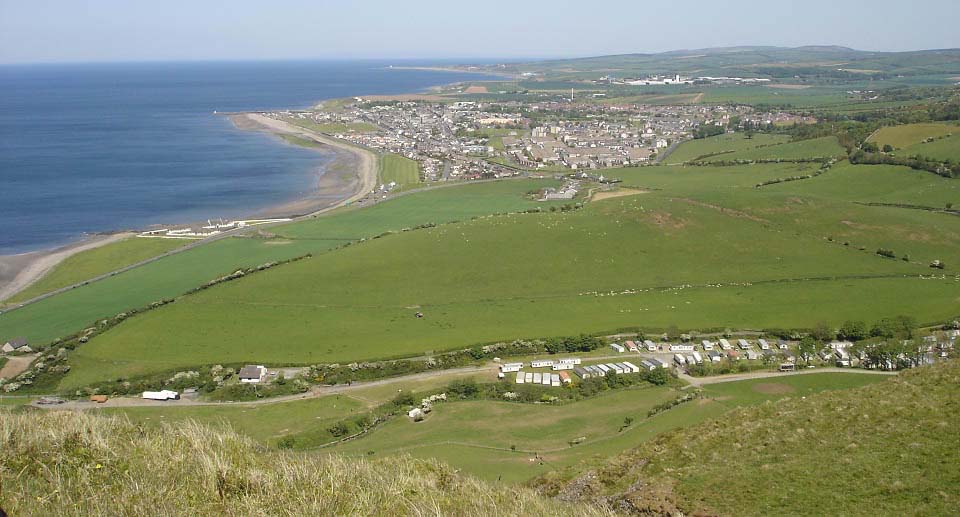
x=72 y=463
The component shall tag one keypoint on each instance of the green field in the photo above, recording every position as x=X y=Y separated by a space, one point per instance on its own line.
x=882 y=444
x=333 y=127
x=172 y=276
x=901 y=137
x=400 y=169
x=826 y=147
x=693 y=149
x=728 y=246
x=88 y=264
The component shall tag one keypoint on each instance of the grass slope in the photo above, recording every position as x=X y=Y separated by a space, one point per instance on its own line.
x=826 y=147
x=693 y=149
x=66 y=463
x=911 y=134
x=883 y=449
x=94 y=262
x=71 y=311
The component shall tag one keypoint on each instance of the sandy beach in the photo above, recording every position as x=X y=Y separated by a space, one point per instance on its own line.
x=17 y=272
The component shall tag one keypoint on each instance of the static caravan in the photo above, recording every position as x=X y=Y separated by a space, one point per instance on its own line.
x=763 y=344
x=631 y=346
x=582 y=372
x=751 y=355
x=679 y=359
x=616 y=368
x=541 y=363
x=698 y=358
x=733 y=355
x=570 y=360
x=743 y=344
x=618 y=348
x=782 y=345
x=679 y=347
x=511 y=367
x=520 y=377
x=547 y=379
x=788 y=367
x=563 y=366
x=606 y=369
x=161 y=395
x=555 y=380
x=634 y=368
x=648 y=365
x=651 y=346
x=657 y=362
x=691 y=359
x=537 y=377
x=528 y=377
x=715 y=356
x=565 y=377
x=707 y=345
x=843 y=358
x=597 y=372
x=724 y=344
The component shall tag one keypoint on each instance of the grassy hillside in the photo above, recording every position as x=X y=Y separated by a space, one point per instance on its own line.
x=911 y=134
x=884 y=449
x=693 y=149
x=172 y=276
x=728 y=245
x=88 y=264
x=826 y=147
x=67 y=463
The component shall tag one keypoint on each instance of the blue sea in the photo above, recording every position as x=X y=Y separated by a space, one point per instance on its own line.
x=103 y=147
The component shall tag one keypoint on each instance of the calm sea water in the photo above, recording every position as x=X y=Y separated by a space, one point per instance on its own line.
x=94 y=148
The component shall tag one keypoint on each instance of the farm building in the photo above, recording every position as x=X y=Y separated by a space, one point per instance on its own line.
x=17 y=344
x=651 y=346
x=618 y=348
x=541 y=363
x=724 y=344
x=511 y=367
x=253 y=374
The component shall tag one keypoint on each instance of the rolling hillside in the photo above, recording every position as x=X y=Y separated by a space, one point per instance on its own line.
x=885 y=449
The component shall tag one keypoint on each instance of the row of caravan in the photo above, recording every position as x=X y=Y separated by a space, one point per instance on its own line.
x=560 y=364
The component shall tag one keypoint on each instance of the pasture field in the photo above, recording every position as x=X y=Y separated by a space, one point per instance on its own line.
x=477 y=436
x=171 y=276
x=753 y=95
x=693 y=149
x=94 y=262
x=400 y=169
x=591 y=270
x=947 y=148
x=826 y=147
x=902 y=137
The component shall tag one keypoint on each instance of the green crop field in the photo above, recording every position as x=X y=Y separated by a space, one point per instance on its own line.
x=901 y=137
x=826 y=147
x=72 y=311
x=94 y=262
x=693 y=149
x=728 y=245
x=477 y=436
x=882 y=443
x=399 y=169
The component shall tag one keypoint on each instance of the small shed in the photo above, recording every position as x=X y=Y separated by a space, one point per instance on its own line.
x=17 y=344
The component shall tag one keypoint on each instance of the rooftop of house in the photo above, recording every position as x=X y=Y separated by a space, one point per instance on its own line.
x=17 y=342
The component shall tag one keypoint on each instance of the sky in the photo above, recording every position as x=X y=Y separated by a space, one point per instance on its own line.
x=174 y=30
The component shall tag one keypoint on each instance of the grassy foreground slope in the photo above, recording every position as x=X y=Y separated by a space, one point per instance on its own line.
x=885 y=449
x=693 y=149
x=171 y=276
x=399 y=169
x=66 y=463
x=97 y=261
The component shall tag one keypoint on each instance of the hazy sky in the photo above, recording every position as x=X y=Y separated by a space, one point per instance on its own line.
x=130 y=30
